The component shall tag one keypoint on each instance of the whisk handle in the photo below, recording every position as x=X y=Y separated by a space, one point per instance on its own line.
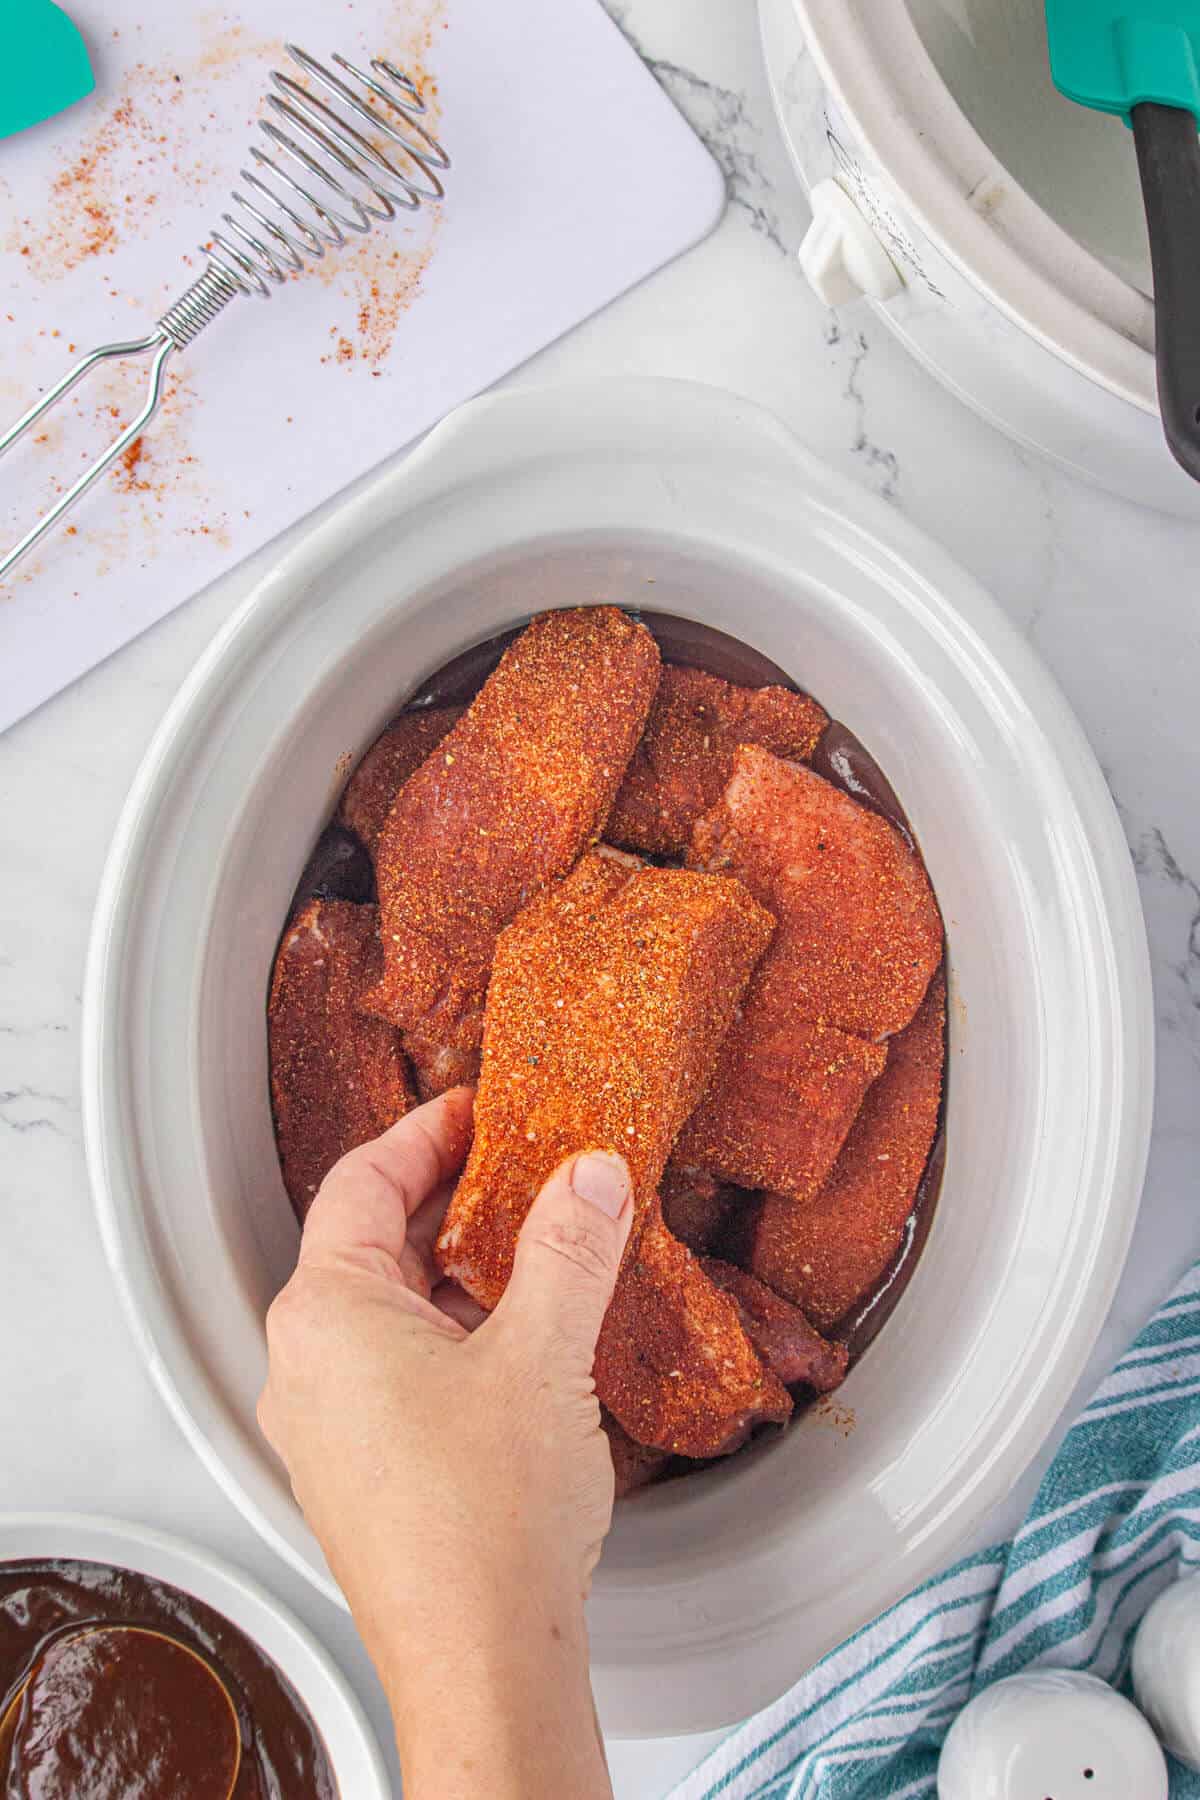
x=1168 y=152
x=107 y=352
x=183 y=321
x=161 y=348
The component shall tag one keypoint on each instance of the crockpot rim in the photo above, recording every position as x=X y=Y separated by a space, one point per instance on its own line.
x=879 y=528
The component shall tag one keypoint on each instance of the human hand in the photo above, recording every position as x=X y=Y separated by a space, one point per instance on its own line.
x=458 y=1480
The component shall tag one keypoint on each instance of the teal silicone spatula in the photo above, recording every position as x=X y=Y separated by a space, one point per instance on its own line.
x=44 y=64
x=1140 y=59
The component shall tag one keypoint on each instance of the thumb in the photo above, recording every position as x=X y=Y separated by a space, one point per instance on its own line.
x=568 y=1255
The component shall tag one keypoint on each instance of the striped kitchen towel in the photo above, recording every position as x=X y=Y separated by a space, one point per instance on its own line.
x=1115 y=1521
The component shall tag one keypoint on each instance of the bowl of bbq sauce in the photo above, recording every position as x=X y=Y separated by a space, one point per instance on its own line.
x=700 y=514
x=136 y=1667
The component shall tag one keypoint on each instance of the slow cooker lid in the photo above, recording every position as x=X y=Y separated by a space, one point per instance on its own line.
x=1079 y=166
x=875 y=59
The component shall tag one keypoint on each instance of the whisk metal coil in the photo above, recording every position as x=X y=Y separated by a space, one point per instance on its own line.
x=344 y=184
x=206 y=297
x=324 y=179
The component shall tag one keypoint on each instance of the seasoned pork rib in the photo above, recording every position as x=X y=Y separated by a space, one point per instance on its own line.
x=858 y=937
x=519 y=787
x=825 y=1255
x=337 y=1079
x=789 y=1345
x=785 y=1095
x=396 y=754
x=685 y=756
x=675 y=1363
x=608 y=999
x=859 y=933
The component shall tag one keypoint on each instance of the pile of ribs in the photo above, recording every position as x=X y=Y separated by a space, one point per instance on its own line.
x=613 y=894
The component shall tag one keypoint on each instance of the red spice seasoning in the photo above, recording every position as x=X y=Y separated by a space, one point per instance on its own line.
x=520 y=786
x=396 y=754
x=827 y=1254
x=686 y=753
x=675 y=1363
x=336 y=1079
x=608 y=999
x=859 y=934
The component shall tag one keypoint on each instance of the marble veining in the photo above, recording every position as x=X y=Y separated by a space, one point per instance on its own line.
x=730 y=134
x=881 y=466
x=728 y=122
x=32 y=1109
x=1180 y=1009
x=1105 y=592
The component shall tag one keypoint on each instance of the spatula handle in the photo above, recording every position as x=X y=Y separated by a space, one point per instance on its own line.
x=1168 y=152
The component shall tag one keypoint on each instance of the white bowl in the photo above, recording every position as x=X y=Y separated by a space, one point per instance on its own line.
x=716 y=1592
x=353 y=1752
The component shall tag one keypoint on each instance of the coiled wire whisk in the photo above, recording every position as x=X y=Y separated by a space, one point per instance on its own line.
x=322 y=181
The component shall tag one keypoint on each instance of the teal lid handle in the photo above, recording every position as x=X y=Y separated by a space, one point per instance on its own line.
x=1158 y=62
x=44 y=67
x=1113 y=54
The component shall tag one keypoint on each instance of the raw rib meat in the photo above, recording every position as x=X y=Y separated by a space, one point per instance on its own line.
x=829 y=1253
x=782 y=1100
x=609 y=997
x=634 y=1465
x=859 y=933
x=521 y=785
x=675 y=1363
x=337 y=1079
x=694 y=1206
x=789 y=1345
x=397 y=753
x=685 y=756
x=858 y=937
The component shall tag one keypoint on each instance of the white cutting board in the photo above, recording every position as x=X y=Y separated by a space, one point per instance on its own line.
x=573 y=177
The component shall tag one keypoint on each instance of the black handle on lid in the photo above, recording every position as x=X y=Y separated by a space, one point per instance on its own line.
x=1168 y=152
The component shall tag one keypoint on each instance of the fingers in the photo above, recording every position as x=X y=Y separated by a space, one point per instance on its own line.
x=367 y=1198
x=426 y=1222
x=458 y=1305
x=419 y=1260
x=568 y=1255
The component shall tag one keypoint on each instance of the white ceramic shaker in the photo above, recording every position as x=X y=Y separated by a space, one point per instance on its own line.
x=1166 y=1668
x=1051 y=1735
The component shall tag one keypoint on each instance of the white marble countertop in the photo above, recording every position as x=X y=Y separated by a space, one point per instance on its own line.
x=1107 y=594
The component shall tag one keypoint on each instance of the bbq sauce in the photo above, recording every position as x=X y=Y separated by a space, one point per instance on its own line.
x=158 y=1712
x=839 y=758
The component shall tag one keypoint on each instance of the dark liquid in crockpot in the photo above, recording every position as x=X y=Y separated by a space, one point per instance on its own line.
x=335 y=871
x=101 y=1737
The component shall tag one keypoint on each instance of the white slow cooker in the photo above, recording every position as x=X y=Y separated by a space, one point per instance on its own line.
x=714 y=1593
x=996 y=227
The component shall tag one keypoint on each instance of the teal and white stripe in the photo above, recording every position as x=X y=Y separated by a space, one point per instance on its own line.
x=1116 y=1519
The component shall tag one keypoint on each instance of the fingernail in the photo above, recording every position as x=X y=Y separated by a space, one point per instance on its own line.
x=603 y=1180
